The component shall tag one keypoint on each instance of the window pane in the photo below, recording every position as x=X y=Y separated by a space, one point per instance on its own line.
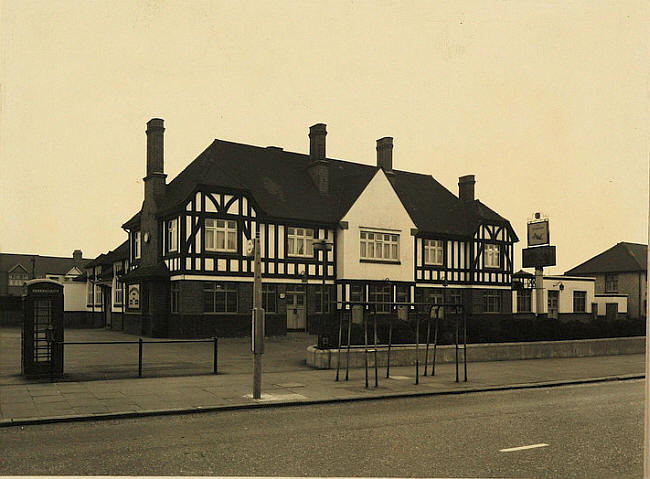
x=232 y=245
x=232 y=225
x=378 y=250
x=220 y=223
x=387 y=251
x=394 y=251
x=208 y=302
x=300 y=246
x=371 y=250
x=363 y=250
x=220 y=240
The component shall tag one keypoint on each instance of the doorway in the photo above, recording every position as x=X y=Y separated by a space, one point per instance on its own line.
x=296 y=317
x=553 y=302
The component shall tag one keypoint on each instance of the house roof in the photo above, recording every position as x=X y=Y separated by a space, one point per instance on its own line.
x=118 y=254
x=282 y=188
x=619 y=258
x=42 y=264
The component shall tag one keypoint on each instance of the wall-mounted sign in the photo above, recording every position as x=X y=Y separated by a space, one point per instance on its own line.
x=538 y=257
x=134 y=296
x=538 y=233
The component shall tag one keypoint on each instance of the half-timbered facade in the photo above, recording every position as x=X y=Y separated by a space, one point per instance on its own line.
x=392 y=236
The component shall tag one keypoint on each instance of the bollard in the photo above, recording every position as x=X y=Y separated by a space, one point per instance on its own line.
x=139 y=357
x=216 y=349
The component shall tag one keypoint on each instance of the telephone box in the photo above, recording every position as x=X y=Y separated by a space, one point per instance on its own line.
x=42 y=333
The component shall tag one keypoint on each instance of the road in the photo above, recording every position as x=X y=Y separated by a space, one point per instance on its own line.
x=593 y=430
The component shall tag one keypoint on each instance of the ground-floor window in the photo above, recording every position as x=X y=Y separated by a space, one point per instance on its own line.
x=579 y=301
x=493 y=301
x=323 y=299
x=219 y=297
x=456 y=296
x=524 y=301
x=430 y=296
x=380 y=293
x=173 y=296
x=269 y=298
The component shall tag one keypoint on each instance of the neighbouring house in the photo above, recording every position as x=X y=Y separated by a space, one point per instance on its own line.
x=16 y=269
x=565 y=297
x=394 y=235
x=620 y=270
x=104 y=290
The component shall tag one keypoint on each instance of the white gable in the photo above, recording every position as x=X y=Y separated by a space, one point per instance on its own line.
x=378 y=208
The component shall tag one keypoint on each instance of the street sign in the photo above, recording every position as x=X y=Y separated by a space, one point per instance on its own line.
x=538 y=233
x=538 y=257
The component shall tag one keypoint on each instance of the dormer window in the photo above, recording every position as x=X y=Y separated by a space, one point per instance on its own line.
x=491 y=256
x=300 y=242
x=434 y=252
x=220 y=235
x=136 y=245
x=172 y=235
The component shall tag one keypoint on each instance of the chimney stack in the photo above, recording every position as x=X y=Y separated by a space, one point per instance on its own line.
x=385 y=153
x=155 y=179
x=318 y=168
x=76 y=255
x=466 y=188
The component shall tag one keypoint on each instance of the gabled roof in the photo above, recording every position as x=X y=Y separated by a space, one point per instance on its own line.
x=281 y=186
x=619 y=258
x=118 y=254
x=42 y=264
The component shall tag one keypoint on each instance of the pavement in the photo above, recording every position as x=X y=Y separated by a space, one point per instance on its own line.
x=191 y=388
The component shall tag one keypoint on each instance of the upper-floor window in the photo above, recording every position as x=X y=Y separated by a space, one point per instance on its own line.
x=379 y=246
x=136 y=245
x=300 y=242
x=492 y=256
x=172 y=235
x=18 y=278
x=611 y=283
x=434 y=252
x=579 y=301
x=89 y=291
x=220 y=235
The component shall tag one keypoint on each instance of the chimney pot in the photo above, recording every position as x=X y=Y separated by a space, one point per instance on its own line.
x=77 y=255
x=466 y=188
x=318 y=168
x=385 y=153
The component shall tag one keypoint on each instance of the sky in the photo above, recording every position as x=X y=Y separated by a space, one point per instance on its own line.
x=546 y=102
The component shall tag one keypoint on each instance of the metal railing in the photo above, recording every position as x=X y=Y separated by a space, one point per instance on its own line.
x=141 y=342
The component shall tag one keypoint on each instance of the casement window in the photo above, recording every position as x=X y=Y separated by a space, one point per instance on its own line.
x=269 y=298
x=172 y=235
x=378 y=246
x=455 y=297
x=579 y=301
x=524 y=298
x=89 y=296
x=426 y=297
x=492 y=302
x=402 y=294
x=220 y=235
x=98 y=294
x=119 y=293
x=136 y=245
x=17 y=278
x=611 y=283
x=434 y=252
x=491 y=256
x=380 y=293
x=173 y=296
x=323 y=301
x=300 y=242
x=219 y=297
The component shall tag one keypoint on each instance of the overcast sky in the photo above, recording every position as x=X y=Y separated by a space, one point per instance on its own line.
x=545 y=102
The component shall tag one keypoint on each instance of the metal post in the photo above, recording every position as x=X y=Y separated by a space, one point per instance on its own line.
x=465 y=342
x=214 y=369
x=435 y=344
x=417 y=351
x=257 y=319
x=347 y=357
x=365 y=343
x=426 y=354
x=539 y=290
x=338 y=360
x=376 y=371
x=456 y=349
x=390 y=341
x=139 y=357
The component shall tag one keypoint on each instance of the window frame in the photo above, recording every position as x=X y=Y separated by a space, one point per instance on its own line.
x=577 y=300
x=172 y=235
x=386 y=239
x=494 y=295
x=269 y=290
x=226 y=288
x=383 y=291
x=527 y=295
x=226 y=229
x=293 y=238
x=611 y=283
x=119 y=288
x=489 y=250
x=429 y=246
x=174 y=296
x=137 y=245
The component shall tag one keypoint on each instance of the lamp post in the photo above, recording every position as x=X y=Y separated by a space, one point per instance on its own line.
x=323 y=246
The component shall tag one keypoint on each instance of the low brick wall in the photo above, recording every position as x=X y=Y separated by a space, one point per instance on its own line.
x=404 y=355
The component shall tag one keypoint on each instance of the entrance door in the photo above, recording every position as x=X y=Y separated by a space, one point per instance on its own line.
x=611 y=311
x=553 y=301
x=107 y=307
x=296 y=308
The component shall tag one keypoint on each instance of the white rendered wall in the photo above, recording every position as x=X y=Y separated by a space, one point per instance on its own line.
x=377 y=209
x=602 y=301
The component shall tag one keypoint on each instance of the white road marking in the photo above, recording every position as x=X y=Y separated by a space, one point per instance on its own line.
x=521 y=448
